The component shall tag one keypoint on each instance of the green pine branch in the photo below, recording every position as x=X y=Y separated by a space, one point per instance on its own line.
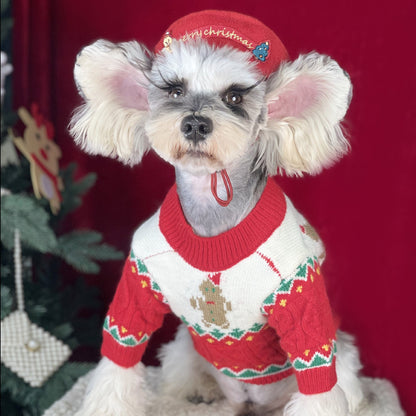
x=6 y=300
x=22 y=212
x=16 y=178
x=35 y=400
x=80 y=249
x=74 y=190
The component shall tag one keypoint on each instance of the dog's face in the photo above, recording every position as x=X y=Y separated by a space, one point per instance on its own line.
x=205 y=106
x=201 y=107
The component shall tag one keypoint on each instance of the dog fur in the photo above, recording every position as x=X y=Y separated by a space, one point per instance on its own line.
x=289 y=122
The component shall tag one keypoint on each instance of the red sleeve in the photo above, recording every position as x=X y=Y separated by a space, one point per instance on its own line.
x=137 y=310
x=300 y=312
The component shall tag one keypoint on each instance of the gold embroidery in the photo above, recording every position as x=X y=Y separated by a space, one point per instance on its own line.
x=217 y=31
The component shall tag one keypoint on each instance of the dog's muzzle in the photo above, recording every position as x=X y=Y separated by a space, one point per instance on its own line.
x=196 y=128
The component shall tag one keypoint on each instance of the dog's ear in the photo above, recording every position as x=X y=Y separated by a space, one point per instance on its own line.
x=112 y=80
x=306 y=102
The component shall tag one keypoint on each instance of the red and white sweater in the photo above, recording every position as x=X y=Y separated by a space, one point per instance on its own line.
x=253 y=298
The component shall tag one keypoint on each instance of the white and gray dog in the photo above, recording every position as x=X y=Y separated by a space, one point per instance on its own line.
x=227 y=252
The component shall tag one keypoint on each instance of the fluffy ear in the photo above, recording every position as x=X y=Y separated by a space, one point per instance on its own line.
x=111 y=78
x=307 y=100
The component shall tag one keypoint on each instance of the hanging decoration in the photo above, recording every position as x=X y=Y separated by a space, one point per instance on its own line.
x=8 y=151
x=26 y=349
x=38 y=146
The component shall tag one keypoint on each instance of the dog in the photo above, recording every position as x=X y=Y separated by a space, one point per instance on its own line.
x=227 y=252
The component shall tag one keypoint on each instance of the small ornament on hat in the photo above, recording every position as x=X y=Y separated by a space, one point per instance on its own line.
x=261 y=51
x=167 y=41
x=38 y=146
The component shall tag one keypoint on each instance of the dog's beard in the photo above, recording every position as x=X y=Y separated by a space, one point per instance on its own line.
x=227 y=142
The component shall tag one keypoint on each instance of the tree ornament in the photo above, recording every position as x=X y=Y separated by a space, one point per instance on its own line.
x=38 y=147
x=6 y=69
x=26 y=349
x=29 y=351
x=8 y=153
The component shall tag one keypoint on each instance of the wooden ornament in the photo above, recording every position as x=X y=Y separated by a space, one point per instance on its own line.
x=43 y=153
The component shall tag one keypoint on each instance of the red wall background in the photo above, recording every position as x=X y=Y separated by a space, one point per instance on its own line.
x=364 y=207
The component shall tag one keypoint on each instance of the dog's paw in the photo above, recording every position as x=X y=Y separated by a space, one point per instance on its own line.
x=331 y=403
x=207 y=391
x=115 y=391
x=111 y=407
x=104 y=408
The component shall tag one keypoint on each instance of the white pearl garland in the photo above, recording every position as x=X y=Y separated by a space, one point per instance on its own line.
x=18 y=271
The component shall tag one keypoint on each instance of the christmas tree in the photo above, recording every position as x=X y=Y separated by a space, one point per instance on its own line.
x=56 y=310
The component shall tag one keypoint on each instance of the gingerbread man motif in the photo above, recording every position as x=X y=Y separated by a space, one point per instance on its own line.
x=311 y=233
x=38 y=147
x=212 y=304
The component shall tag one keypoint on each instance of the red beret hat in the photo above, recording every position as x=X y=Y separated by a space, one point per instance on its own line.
x=237 y=30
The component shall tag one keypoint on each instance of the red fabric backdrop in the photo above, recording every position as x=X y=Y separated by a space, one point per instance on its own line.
x=364 y=207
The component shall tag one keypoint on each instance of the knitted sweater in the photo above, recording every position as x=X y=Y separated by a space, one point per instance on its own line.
x=253 y=298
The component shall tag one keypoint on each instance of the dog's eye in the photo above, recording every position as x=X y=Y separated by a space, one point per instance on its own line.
x=232 y=98
x=175 y=92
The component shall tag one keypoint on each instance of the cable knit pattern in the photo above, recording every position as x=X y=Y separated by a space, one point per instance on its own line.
x=253 y=298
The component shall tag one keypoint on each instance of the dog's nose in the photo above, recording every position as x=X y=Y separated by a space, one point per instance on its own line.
x=196 y=128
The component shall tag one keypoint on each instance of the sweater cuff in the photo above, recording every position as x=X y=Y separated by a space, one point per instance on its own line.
x=317 y=380
x=124 y=356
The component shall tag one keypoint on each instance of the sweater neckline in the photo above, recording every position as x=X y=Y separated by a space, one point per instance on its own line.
x=221 y=252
